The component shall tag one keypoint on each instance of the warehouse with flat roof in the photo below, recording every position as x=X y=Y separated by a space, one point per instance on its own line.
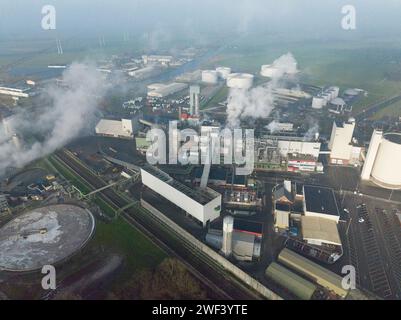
x=319 y=231
x=298 y=286
x=313 y=271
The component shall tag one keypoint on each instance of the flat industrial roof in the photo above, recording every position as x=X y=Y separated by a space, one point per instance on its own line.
x=113 y=127
x=203 y=196
x=320 y=229
x=313 y=271
x=300 y=287
x=320 y=200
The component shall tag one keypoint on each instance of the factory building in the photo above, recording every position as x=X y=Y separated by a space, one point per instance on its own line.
x=287 y=147
x=160 y=90
x=124 y=128
x=320 y=202
x=320 y=231
x=240 y=80
x=202 y=204
x=383 y=160
x=322 y=276
x=301 y=162
x=157 y=59
x=20 y=92
x=194 y=100
x=243 y=246
x=342 y=147
x=298 y=286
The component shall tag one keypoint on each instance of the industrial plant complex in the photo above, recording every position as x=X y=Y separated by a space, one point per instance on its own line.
x=259 y=182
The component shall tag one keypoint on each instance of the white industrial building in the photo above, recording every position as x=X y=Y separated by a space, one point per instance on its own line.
x=16 y=92
x=320 y=202
x=202 y=204
x=160 y=90
x=242 y=246
x=117 y=129
x=152 y=59
x=240 y=80
x=286 y=147
x=210 y=76
x=342 y=147
x=320 y=231
x=383 y=160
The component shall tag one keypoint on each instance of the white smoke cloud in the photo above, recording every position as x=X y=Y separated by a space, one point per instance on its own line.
x=259 y=102
x=71 y=109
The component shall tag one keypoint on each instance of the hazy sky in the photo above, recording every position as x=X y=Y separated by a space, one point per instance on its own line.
x=194 y=17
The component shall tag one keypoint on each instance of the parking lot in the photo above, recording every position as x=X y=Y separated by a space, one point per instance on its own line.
x=374 y=245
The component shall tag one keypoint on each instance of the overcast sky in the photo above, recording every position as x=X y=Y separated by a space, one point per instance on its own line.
x=22 y=18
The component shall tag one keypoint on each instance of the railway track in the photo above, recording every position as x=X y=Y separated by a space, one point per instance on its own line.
x=210 y=273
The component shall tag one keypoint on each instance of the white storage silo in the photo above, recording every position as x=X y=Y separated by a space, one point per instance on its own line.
x=240 y=80
x=223 y=72
x=228 y=228
x=268 y=71
x=386 y=170
x=318 y=103
x=210 y=76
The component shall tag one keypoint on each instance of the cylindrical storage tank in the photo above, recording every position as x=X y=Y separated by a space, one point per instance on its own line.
x=240 y=80
x=268 y=71
x=318 y=102
x=223 y=72
x=386 y=170
x=335 y=92
x=210 y=76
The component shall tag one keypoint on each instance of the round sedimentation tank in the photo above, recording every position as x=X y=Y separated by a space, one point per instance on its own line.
x=240 y=80
x=386 y=171
x=210 y=76
x=44 y=236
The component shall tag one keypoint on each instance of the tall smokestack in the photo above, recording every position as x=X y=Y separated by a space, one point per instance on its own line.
x=194 y=92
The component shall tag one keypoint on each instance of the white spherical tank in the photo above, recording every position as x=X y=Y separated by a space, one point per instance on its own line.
x=240 y=80
x=387 y=167
x=268 y=71
x=210 y=76
x=318 y=103
x=223 y=72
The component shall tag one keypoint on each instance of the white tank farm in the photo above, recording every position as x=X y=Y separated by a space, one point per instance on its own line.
x=318 y=103
x=210 y=76
x=268 y=71
x=223 y=72
x=240 y=80
x=387 y=167
x=334 y=91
